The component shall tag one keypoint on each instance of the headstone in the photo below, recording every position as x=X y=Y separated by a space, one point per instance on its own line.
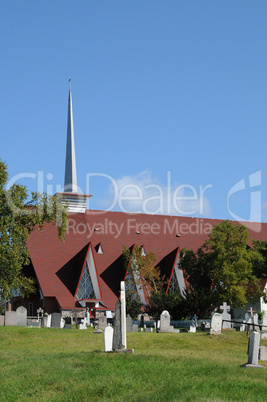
x=22 y=316
x=34 y=323
x=123 y=316
x=253 y=350
x=263 y=353
x=135 y=327
x=165 y=321
x=98 y=331
x=108 y=338
x=216 y=324
x=11 y=318
x=226 y=316
x=264 y=327
x=2 y=320
x=129 y=323
x=83 y=324
x=49 y=319
x=117 y=341
x=102 y=322
x=192 y=328
x=149 y=329
x=67 y=326
x=55 y=320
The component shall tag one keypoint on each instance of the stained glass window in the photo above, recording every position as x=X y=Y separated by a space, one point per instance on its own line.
x=85 y=290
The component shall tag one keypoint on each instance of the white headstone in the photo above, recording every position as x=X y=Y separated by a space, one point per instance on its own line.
x=216 y=324
x=108 y=338
x=49 y=317
x=165 y=321
x=123 y=316
x=83 y=324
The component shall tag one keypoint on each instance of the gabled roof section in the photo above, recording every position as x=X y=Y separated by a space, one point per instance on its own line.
x=71 y=272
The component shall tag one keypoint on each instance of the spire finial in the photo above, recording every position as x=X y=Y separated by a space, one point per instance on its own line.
x=70 y=83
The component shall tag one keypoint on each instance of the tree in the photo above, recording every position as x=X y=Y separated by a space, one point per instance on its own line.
x=141 y=271
x=17 y=220
x=172 y=302
x=260 y=268
x=221 y=269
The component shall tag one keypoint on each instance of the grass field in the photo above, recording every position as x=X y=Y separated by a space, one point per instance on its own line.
x=39 y=364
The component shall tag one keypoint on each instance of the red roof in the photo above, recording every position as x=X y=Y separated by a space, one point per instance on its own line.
x=58 y=265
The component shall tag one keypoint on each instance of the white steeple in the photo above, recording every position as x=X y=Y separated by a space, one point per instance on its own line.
x=70 y=184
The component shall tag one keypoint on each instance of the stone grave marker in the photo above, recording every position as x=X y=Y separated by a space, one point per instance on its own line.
x=135 y=327
x=11 y=318
x=253 y=350
x=2 y=320
x=108 y=338
x=263 y=353
x=34 y=323
x=226 y=316
x=216 y=324
x=83 y=324
x=165 y=321
x=67 y=326
x=102 y=322
x=123 y=315
x=117 y=336
x=22 y=316
x=49 y=320
x=129 y=323
x=264 y=327
x=55 y=320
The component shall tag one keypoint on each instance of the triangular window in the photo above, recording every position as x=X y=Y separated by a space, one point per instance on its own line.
x=174 y=285
x=85 y=290
x=99 y=249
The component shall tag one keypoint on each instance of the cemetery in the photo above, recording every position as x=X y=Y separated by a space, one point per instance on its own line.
x=44 y=359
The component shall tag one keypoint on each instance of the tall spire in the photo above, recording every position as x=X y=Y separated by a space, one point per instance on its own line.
x=70 y=184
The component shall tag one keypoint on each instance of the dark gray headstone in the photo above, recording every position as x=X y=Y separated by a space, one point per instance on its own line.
x=129 y=324
x=34 y=323
x=55 y=320
x=67 y=326
x=22 y=316
x=11 y=318
x=102 y=322
x=117 y=335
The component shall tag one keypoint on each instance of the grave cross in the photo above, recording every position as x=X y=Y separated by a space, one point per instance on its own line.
x=224 y=307
x=251 y=312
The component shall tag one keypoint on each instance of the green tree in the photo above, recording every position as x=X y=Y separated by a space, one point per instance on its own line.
x=172 y=302
x=221 y=269
x=17 y=220
x=141 y=271
x=260 y=268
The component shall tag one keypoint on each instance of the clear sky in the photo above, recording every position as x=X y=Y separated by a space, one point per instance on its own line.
x=169 y=100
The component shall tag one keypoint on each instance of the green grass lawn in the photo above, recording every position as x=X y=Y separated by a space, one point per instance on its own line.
x=70 y=365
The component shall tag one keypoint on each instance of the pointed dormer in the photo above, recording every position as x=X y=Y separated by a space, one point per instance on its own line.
x=70 y=184
x=76 y=202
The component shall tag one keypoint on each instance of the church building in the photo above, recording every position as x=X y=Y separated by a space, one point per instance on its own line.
x=85 y=271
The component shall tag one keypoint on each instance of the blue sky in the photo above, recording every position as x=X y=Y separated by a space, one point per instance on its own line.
x=169 y=98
